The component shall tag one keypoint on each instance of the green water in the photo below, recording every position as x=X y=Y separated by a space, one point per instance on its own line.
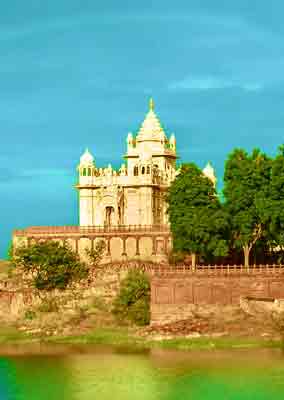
x=108 y=374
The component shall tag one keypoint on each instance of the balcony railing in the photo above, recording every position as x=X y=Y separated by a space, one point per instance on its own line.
x=91 y=229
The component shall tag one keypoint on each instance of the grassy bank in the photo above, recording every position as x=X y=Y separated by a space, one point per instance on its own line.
x=125 y=338
x=11 y=335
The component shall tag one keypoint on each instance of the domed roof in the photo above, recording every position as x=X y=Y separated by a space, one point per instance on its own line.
x=87 y=158
x=151 y=127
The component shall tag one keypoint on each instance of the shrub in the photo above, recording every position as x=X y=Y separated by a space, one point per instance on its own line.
x=99 y=303
x=133 y=300
x=30 y=314
x=95 y=256
x=52 y=265
x=48 y=305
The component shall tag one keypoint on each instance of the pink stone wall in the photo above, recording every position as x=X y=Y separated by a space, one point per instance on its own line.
x=174 y=296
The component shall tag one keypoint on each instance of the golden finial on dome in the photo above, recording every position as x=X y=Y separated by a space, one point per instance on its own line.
x=151 y=104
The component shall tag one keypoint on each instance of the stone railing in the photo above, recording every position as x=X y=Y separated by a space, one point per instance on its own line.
x=200 y=270
x=90 y=229
x=123 y=180
x=219 y=269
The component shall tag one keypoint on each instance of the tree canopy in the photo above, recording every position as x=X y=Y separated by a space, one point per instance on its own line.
x=198 y=221
x=274 y=210
x=246 y=190
x=52 y=265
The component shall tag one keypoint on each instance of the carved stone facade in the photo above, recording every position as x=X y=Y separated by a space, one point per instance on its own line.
x=135 y=194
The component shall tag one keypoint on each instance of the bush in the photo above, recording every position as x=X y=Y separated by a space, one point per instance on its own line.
x=95 y=256
x=30 y=314
x=48 y=305
x=52 y=265
x=133 y=300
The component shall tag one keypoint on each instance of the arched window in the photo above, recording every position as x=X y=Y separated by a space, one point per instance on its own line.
x=84 y=172
x=136 y=171
x=148 y=169
x=143 y=170
x=109 y=216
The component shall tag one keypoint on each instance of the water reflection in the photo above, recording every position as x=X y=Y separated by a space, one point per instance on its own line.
x=87 y=373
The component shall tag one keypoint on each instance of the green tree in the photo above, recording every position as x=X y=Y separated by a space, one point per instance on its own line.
x=198 y=222
x=246 y=187
x=274 y=205
x=133 y=300
x=51 y=264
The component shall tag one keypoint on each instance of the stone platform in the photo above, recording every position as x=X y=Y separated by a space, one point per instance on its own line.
x=123 y=242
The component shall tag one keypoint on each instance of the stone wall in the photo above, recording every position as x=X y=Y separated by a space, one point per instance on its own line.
x=16 y=296
x=175 y=293
x=174 y=296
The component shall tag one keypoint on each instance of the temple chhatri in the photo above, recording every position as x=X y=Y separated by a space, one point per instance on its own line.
x=127 y=208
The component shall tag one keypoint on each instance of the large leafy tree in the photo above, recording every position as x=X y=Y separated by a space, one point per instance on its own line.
x=246 y=187
x=198 y=221
x=274 y=210
x=52 y=265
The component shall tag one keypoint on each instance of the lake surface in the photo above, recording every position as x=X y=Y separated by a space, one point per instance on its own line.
x=90 y=373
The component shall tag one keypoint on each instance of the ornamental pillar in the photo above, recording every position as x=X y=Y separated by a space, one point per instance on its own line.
x=124 y=246
x=108 y=246
x=76 y=245
x=166 y=242
x=137 y=246
x=154 y=245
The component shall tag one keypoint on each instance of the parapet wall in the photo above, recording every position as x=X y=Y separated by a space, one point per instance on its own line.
x=175 y=295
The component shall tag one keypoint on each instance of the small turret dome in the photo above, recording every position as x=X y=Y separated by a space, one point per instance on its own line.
x=209 y=172
x=173 y=139
x=87 y=158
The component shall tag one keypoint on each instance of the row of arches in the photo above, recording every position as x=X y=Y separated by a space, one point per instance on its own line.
x=118 y=247
x=144 y=169
x=87 y=171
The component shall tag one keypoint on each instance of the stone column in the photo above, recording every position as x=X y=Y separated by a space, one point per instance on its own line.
x=166 y=242
x=154 y=245
x=124 y=246
x=108 y=246
x=76 y=245
x=137 y=246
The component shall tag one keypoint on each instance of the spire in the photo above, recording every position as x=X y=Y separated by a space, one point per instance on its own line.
x=151 y=127
x=87 y=158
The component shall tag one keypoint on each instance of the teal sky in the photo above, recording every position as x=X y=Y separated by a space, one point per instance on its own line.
x=79 y=73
